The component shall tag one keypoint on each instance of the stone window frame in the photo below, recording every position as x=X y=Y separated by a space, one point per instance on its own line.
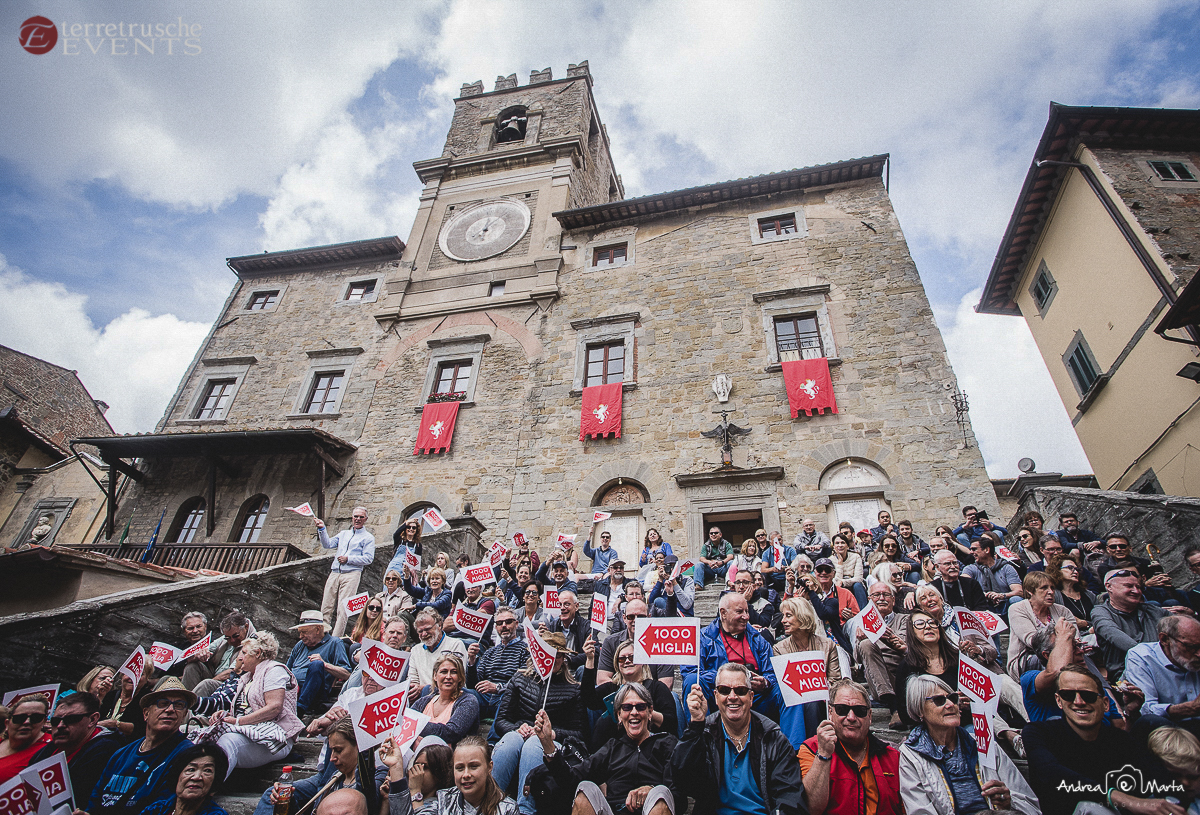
x=1043 y=273
x=354 y=279
x=756 y=236
x=217 y=369
x=323 y=362
x=1079 y=345
x=59 y=507
x=611 y=238
x=251 y=506
x=281 y=290
x=600 y=331
x=450 y=349
x=1157 y=181
x=799 y=302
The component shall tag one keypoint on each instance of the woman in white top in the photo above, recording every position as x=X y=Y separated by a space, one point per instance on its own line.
x=747 y=560
x=848 y=569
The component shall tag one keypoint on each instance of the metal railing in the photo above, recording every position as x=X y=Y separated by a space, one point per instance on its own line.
x=230 y=558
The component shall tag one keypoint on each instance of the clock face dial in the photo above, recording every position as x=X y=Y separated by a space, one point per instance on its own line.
x=484 y=230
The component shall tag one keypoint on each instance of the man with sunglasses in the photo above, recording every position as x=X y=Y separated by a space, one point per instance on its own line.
x=1123 y=620
x=488 y=672
x=75 y=731
x=715 y=556
x=845 y=768
x=603 y=556
x=736 y=760
x=136 y=775
x=1075 y=758
x=1168 y=672
x=1056 y=647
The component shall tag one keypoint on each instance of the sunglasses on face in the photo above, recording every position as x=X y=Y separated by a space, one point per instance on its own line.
x=533 y=594
x=69 y=720
x=861 y=711
x=164 y=704
x=374 y=608
x=629 y=707
x=1068 y=696
x=739 y=691
x=824 y=570
x=635 y=616
x=940 y=699
x=625 y=659
x=29 y=718
x=713 y=534
x=506 y=622
x=605 y=537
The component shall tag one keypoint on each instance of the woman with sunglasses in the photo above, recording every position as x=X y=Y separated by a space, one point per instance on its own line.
x=1070 y=591
x=369 y=625
x=632 y=764
x=531 y=606
x=803 y=632
x=25 y=735
x=662 y=718
x=940 y=770
x=395 y=600
x=408 y=536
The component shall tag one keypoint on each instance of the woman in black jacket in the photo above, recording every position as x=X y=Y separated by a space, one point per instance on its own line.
x=633 y=764
x=519 y=750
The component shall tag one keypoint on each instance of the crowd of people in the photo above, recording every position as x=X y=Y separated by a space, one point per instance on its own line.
x=1098 y=679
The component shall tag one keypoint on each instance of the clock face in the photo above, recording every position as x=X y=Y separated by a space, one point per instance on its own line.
x=484 y=230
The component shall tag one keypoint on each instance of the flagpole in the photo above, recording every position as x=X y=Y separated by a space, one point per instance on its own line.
x=547 y=696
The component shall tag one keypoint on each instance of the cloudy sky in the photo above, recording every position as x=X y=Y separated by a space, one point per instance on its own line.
x=126 y=179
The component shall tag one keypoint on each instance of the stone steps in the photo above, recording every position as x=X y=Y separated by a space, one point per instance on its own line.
x=244 y=787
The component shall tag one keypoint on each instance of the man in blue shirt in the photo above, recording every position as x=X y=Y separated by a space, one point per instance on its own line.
x=603 y=557
x=1168 y=672
x=355 y=549
x=316 y=661
x=736 y=760
x=1072 y=536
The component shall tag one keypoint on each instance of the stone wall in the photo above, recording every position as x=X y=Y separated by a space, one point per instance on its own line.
x=1170 y=523
x=563 y=105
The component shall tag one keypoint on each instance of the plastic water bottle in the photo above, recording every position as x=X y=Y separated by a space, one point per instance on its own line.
x=283 y=792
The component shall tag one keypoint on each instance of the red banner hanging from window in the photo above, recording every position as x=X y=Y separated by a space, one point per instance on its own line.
x=437 y=427
x=601 y=413
x=809 y=387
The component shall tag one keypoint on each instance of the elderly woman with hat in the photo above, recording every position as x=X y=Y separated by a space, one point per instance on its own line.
x=519 y=749
x=136 y=777
x=262 y=724
x=316 y=661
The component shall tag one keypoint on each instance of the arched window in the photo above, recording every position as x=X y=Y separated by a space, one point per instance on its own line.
x=855 y=490
x=251 y=518
x=187 y=521
x=510 y=125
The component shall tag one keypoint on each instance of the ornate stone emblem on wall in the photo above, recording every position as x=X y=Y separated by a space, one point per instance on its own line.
x=721 y=386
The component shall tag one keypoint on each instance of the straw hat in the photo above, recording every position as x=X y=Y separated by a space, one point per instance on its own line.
x=558 y=640
x=169 y=686
x=311 y=617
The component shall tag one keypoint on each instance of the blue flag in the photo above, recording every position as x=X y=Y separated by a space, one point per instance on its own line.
x=153 y=539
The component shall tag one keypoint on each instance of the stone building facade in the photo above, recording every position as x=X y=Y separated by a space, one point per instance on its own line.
x=523 y=259
x=1098 y=256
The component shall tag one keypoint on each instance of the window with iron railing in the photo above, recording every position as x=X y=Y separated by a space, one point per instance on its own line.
x=798 y=338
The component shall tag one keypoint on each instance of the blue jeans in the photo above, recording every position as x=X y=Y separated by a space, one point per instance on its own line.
x=314 y=689
x=489 y=703
x=859 y=590
x=704 y=573
x=516 y=756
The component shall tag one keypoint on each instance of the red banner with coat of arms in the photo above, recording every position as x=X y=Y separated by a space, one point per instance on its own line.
x=809 y=386
x=437 y=427
x=601 y=413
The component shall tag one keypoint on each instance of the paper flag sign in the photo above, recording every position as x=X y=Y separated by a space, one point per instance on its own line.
x=357 y=603
x=54 y=777
x=681 y=567
x=1006 y=553
x=777 y=554
x=968 y=621
x=599 y=516
x=409 y=726
x=49 y=692
x=802 y=677
x=304 y=509
x=985 y=744
x=542 y=652
x=599 y=615
x=385 y=665
x=520 y=538
x=435 y=520
x=666 y=641
x=196 y=647
x=871 y=622
x=374 y=716
x=164 y=655
x=412 y=560
x=565 y=541
x=497 y=553
x=478 y=575
x=136 y=664
x=19 y=797
x=550 y=602
x=978 y=683
x=994 y=623
x=471 y=621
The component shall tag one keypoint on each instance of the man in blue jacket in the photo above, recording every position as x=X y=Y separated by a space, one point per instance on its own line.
x=730 y=638
x=603 y=557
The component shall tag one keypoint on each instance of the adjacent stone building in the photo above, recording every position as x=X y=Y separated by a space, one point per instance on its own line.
x=527 y=277
x=1102 y=242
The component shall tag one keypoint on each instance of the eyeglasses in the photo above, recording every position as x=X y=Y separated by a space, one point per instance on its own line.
x=861 y=711
x=804 y=567
x=713 y=534
x=739 y=691
x=1189 y=647
x=69 y=720
x=924 y=624
x=164 y=704
x=1089 y=696
x=605 y=537
x=635 y=616
x=1118 y=545
x=940 y=699
x=882 y=595
x=29 y=718
x=506 y=622
x=533 y=594
x=1069 y=567
x=760 y=536
x=629 y=707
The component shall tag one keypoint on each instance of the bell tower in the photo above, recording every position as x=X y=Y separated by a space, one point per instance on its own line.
x=484 y=235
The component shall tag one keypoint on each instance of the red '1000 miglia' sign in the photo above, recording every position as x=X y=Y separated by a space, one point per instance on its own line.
x=479 y=575
x=975 y=680
x=802 y=677
x=666 y=642
x=384 y=664
x=374 y=716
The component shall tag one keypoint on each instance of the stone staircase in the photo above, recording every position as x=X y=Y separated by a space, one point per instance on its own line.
x=244 y=787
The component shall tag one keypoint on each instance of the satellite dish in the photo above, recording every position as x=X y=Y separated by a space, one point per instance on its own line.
x=1026 y=465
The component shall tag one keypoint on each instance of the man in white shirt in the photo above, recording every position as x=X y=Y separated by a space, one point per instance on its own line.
x=355 y=549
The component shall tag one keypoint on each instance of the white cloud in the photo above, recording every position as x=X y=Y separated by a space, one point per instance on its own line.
x=1015 y=410
x=134 y=363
